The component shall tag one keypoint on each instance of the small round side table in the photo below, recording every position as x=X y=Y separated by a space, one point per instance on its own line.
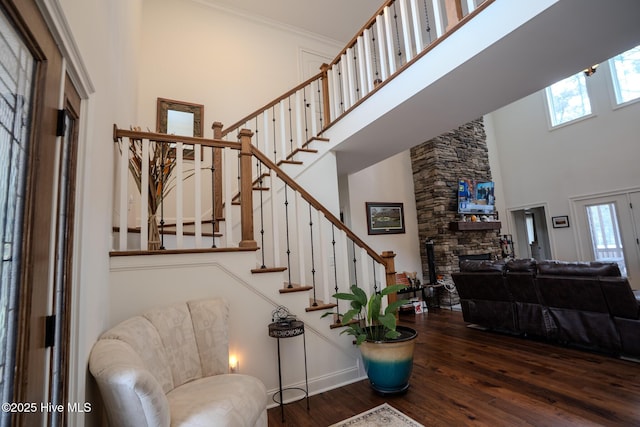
x=289 y=329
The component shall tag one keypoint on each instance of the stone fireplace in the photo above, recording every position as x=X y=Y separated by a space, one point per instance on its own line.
x=437 y=165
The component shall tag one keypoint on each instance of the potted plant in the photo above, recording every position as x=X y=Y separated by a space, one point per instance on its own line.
x=386 y=348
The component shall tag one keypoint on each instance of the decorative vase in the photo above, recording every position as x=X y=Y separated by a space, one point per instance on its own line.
x=153 y=243
x=389 y=363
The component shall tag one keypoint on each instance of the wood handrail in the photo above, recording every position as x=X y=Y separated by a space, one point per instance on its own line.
x=316 y=204
x=271 y=104
x=366 y=26
x=163 y=137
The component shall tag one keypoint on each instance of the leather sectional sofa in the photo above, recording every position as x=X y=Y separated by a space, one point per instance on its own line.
x=584 y=304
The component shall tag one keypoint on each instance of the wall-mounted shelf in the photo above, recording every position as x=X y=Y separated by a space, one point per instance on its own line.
x=474 y=226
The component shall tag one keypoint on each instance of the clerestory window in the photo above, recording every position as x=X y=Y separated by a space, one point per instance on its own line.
x=568 y=100
x=625 y=71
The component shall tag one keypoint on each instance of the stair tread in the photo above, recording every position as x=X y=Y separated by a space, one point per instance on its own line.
x=268 y=270
x=289 y=162
x=321 y=307
x=294 y=288
x=301 y=150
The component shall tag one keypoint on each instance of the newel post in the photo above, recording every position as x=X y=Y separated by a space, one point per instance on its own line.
x=217 y=176
x=324 y=68
x=390 y=272
x=246 y=191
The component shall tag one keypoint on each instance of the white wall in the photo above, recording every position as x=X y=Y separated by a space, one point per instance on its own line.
x=388 y=181
x=106 y=34
x=232 y=65
x=546 y=167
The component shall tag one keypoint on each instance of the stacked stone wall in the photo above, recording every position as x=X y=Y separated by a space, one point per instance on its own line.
x=437 y=166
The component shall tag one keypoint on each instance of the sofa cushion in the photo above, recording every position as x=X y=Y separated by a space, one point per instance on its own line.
x=220 y=400
x=176 y=331
x=521 y=265
x=143 y=338
x=594 y=268
x=210 y=317
x=484 y=266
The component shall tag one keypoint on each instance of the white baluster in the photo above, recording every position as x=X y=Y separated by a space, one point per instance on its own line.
x=179 y=195
x=275 y=219
x=362 y=68
x=283 y=132
x=382 y=55
x=438 y=18
x=300 y=110
x=417 y=28
x=391 y=52
x=406 y=34
x=314 y=110
x=300 y=231
x=471 y=6
x=228 y=160
x=123 y=199
x=346 y=66
x=365 y=265
x=337 y=107
x=265 y=132
x=144 y=197
x=197 y=176
x=368 y=59
x=322 y=254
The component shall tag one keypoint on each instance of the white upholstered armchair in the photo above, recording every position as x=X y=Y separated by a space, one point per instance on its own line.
x=169 y=367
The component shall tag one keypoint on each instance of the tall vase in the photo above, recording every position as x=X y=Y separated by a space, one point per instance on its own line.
x=153 y=244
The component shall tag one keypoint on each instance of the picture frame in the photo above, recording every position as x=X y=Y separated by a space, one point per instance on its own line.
x=560 y=221
x=385 y=218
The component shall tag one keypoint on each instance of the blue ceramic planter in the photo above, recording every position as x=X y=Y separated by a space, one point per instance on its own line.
x=389 y=363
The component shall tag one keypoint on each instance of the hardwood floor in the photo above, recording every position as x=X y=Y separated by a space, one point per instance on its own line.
x=464 y=376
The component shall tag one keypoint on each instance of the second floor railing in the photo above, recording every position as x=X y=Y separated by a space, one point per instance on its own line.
x=400 y=32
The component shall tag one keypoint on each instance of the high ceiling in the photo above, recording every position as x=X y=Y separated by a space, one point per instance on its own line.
x=338 y=20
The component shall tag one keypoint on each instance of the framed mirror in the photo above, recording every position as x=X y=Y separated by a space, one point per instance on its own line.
x=180 y=118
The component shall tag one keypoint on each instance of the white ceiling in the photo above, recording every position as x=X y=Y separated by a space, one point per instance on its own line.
x=338 y=20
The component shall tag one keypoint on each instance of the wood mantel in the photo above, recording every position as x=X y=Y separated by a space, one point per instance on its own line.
x=474 y=226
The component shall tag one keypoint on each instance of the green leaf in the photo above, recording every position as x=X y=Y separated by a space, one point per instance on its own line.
x=394 y=306
x=388 y=321
x=392 y=289
x=360 y=295
x=375 y=304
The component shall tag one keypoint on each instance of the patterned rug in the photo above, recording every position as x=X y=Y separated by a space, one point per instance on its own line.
x=383 y=415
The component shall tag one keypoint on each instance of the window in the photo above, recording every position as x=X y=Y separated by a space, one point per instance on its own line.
x=625 y=70
x=605 y=234
x=568 y=99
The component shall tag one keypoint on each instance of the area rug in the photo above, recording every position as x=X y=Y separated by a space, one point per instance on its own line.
x=383 y=415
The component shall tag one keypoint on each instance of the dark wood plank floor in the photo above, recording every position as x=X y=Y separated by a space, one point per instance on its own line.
x=464 y=376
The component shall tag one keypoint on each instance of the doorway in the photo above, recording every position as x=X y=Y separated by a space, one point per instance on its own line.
x=609 y=230
x=531 y=233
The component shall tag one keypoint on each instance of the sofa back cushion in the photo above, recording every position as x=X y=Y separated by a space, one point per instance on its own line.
x=594 y=268
x=142 y=337
x=210 y=319
x=482 y=266
x=175 y=328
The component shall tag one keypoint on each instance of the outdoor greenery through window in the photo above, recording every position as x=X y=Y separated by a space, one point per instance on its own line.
x=568 y=99
x=625 y=70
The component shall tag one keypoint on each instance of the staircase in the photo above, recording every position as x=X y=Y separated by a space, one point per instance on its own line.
x=243 y=227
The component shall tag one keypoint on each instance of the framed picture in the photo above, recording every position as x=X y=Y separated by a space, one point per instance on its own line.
x=560 y=221
x=385 y=218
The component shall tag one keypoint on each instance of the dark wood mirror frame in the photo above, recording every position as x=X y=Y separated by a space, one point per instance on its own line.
x=165 y=105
